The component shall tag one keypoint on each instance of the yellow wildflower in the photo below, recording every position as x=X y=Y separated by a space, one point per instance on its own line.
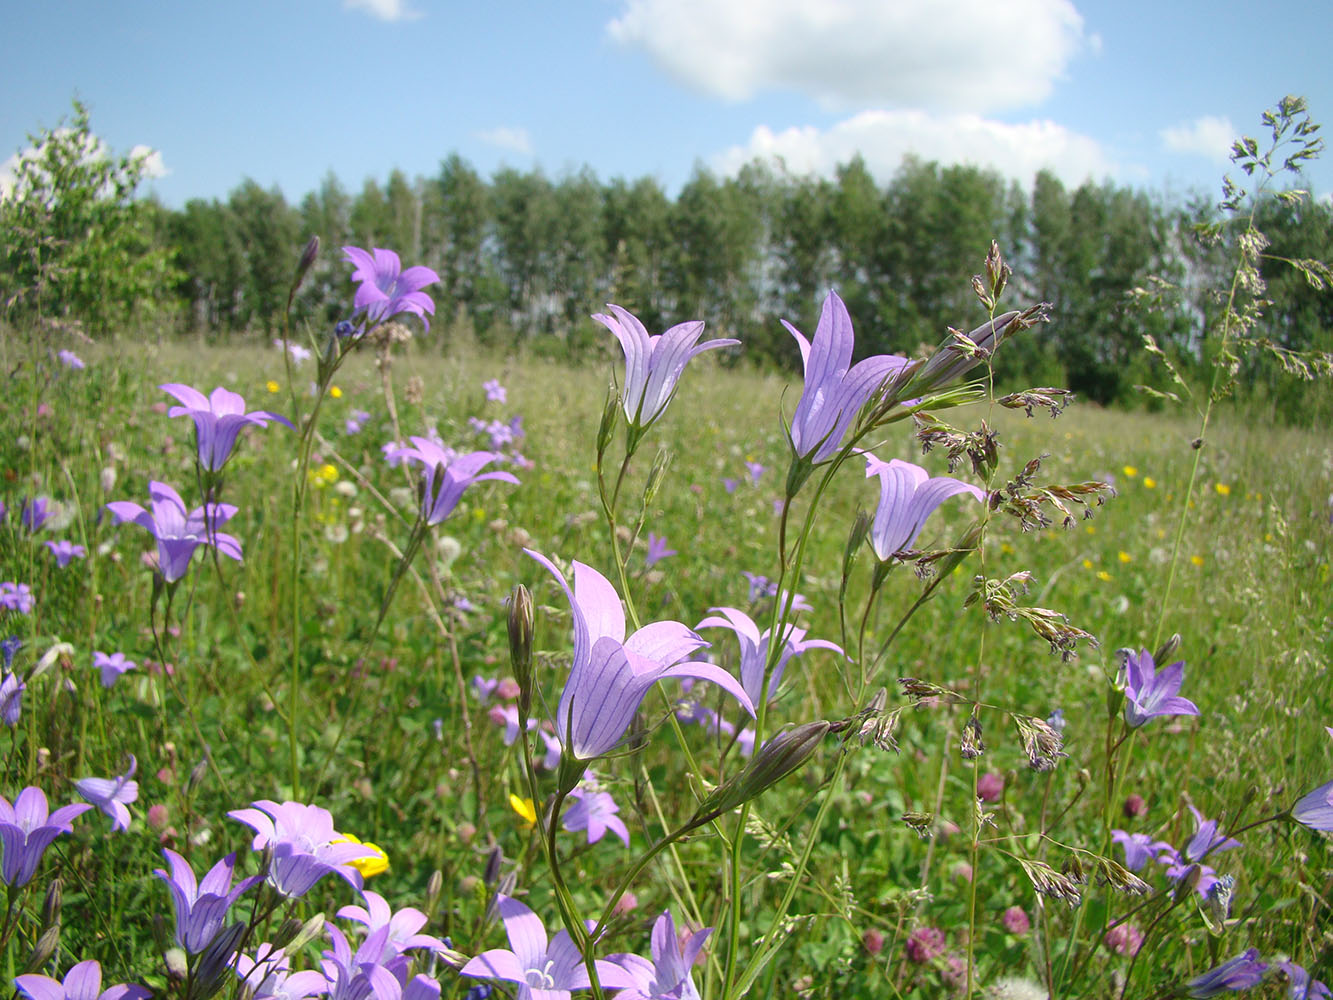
x=1104 y=576
x=525 y=809
x=272 y=386
x=1150 y=482
x=1087 y=564
x=1223 y=490
x=1006 y=548
x=1091 y=529
x=375 y=862
x=1130 y=471
x=1125 y=557
x=335 y=392
x=1197 y=560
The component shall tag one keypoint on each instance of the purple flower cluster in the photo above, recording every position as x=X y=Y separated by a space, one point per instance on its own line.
x=1140 y=848
x=754 y=646
x=16 y=597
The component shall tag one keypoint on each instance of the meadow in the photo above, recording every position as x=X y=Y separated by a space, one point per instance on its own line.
x=1002 y=824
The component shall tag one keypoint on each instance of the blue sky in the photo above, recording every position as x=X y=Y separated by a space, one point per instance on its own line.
x=1141 y=93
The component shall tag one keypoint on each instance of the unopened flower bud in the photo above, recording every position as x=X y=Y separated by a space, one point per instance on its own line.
x=178 y=965
x=493 y=861
x=780 y=756
x=610 y=416
x=303 y=933
x=196 y=775
x=656 y=475
x=308 y=256
x=521 y=627
x=51 y=905
x=1168 y=649
x=214 y=964
x=43 y=950
x=434 y=888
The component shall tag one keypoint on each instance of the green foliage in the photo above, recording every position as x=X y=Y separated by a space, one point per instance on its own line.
x=79 y=244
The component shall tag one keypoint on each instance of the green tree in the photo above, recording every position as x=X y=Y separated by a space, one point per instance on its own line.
x=78 y=243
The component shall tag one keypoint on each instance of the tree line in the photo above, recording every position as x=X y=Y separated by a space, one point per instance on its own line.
x=524 y=257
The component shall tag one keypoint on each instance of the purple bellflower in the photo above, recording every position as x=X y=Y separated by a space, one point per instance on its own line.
x=70 y=360
x=595 y=811
x=653 y=365
x=1139 y=848
x=82 y=982
x=667 y=976
x=218 y=419
x=1239 y=973
x=404 y=926
x=112 y=795
x=11 y=699
x=835 y=389
x=495 y=392
x=269 y=977
x=611 y=674
x=365 y=973
x=448 y=474
x=1303 y=987
x=201 y=905
x=755 y=470
x=9 y=649
x=1206 y=839
x=657 y=551
x=542 y=971
x=1315 y=810
x=111 y=666
x=27 y=829
x=178 y=533
x=16 y=597
x=65 y=552
x=1150 y=692
x=755 y=645
x=305 y=845
x=34 y=513
x=386 y=289
x=908 y=494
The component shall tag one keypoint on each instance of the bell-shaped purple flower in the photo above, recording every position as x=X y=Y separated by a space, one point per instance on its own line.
x=543 y=971
x=595 y=812
x=11 y=698
x=653 y=365
x=1150 y=692
x=908 y=494
x=754 y=648
x=404 y=926
x=448 y=474
x=1206 y=839
x=82 y=982
x=201 y=906
x=305 y=845
x=611 y=674
x=218 y=418
x=1315 y=810
x=1241 y=972
x=112 y=795
x=385 y=289
x=27 y=829
x=268 y=976
x=667 y=976
x=835 y=389
x=177 y=532
x=65 y=551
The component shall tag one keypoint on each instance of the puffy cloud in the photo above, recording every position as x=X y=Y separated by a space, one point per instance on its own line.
x=883 y=138
x=957 y=55
x=385 y=10
x=1208 y=136
x=516 y=140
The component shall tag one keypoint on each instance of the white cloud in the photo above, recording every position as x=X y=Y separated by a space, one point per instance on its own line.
x=957 y=55
x=516 y=140
x=1209 y=136
x=385 y=10
x=882 y=138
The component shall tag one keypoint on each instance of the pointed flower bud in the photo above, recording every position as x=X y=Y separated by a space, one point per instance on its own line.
x=784 y=753
x=521 y=627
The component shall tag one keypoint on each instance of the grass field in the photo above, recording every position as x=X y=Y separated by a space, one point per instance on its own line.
x=268 y=679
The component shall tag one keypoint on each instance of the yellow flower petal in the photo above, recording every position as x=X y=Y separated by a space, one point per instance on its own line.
x=1125 y=557
x=1150 y=482
x=374 y=863
x=525 y=809
x=1223 y=490
x=1197 y=560
x=1130 y=471
x=1104 y=576
x=335 y=392
x=272 y=386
